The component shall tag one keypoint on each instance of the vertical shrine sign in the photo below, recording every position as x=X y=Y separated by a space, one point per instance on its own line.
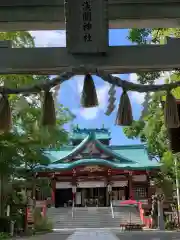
x=86 y=26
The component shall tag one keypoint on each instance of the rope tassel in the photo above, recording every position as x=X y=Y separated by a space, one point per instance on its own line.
x=124 y=114
x=89 y=96
x=171 y=112
x=48 y=110
x=5 y=114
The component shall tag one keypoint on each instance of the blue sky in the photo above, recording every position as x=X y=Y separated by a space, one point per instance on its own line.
x=69 y=94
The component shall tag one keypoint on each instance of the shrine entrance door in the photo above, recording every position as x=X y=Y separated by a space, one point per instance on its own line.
x=95 y=197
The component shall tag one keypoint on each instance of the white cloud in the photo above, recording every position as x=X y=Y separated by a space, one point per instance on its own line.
x=139 y=97
x=136 y=96
x=133 y=77
x=49 y=38
x=89 y=113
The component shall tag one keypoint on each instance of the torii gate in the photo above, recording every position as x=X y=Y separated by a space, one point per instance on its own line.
x=87 y=47
x=50 y=14
x=87 y=23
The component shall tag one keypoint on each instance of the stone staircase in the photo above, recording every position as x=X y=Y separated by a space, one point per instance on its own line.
x=91 y=217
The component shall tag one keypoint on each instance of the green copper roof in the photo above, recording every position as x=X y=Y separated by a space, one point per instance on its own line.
x=136 y=153
x=101 y=162
x=122 y=157
x=90 y=138
x=80 y=134
x=55 y=155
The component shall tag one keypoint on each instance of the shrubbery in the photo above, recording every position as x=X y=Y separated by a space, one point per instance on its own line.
x=5 y=224
x=169 y=225
x=41 y=223
x=4 y=235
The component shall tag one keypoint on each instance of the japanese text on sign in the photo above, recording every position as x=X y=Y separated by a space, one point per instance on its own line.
x=87 y=20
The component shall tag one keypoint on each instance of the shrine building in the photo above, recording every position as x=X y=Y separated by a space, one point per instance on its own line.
x=91 y=172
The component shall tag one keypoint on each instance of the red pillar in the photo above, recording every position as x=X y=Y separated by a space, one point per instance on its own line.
x=53 y=189
x=74 y=186
x=131 y=193
x=109 y=175
x=109 y=178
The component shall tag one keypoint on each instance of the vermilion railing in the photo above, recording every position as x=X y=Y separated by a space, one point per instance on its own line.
x=29 y=211
x=147 y=221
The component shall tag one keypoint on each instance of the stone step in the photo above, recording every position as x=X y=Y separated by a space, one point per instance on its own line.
x=93 y=217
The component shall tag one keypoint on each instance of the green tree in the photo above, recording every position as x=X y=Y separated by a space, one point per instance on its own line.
x=25 y=145
x=150 y=128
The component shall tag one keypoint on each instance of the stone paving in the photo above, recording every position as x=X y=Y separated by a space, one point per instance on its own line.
x=108 y=235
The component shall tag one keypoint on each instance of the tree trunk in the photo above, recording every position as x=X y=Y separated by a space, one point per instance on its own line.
x=154 y=213
x=2 y=196
x=1 y=200
x=34 y=192
x=161 y=224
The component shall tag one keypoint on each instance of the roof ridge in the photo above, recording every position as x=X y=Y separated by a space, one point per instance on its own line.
x=128 y=146
x=87 y=131
x=116 y=155
x=76 y=149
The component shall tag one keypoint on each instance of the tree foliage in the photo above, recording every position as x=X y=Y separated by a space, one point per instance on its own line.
x=26 y=143
x=150 y=128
